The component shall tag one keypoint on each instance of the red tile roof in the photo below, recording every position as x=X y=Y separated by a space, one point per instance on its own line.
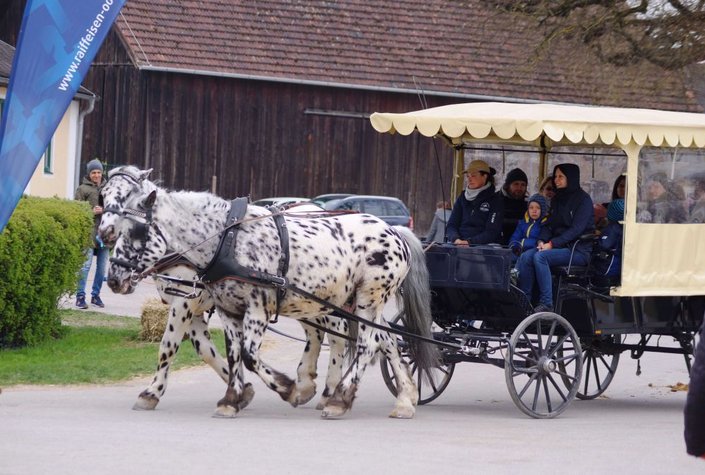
x=448 y=46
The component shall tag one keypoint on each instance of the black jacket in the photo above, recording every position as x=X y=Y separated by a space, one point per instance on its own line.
x=571 y=214
x=479 y=220
x=514 y=210
x=695 y=404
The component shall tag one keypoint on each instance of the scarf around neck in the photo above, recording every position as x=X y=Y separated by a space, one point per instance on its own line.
x=471 y=194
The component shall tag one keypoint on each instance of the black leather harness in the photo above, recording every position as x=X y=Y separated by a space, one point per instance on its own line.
x=224 y=264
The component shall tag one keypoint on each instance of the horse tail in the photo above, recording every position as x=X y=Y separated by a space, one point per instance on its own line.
x=416 y=295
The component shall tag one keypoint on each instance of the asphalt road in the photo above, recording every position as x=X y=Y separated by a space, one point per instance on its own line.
x=474 y=427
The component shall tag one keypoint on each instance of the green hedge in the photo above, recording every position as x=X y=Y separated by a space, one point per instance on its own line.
x=41 y=252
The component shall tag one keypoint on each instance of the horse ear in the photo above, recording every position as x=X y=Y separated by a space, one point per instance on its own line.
x=149 y=200
x=144 y=174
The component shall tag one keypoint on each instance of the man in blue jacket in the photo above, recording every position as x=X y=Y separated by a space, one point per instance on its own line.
x=571 y=217
x=477 y=213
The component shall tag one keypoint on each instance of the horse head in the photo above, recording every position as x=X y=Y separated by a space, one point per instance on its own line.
x=140 y=243
x=122 y=183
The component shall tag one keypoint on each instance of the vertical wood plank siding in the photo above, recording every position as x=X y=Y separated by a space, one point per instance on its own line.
x=258 y=138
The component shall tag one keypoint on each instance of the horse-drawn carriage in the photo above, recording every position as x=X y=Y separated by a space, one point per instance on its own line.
x=549 y=358
x=315 y=265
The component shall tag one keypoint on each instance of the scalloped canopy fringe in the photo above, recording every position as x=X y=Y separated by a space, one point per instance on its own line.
x=575 y=124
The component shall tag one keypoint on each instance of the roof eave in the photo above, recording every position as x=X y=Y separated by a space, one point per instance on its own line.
x=341 y=85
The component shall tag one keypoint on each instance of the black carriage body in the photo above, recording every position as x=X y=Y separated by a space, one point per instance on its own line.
x=472 y=283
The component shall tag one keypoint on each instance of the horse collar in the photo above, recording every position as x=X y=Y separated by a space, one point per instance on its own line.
x=224 y=265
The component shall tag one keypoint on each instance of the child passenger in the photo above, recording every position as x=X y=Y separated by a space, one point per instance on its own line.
x=528 y=228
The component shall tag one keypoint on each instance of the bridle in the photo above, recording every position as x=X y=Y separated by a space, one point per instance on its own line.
x=144 y=222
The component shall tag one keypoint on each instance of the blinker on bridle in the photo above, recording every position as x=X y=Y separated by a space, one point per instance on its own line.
x=143 y=222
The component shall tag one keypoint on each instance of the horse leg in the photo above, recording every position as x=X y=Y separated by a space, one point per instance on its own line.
x=407 y=392
x=202 y=343
x=256 y=320
x=336 y=357
x=367 y=344
x=177 y=325
x=237 y=395
x=306 y=371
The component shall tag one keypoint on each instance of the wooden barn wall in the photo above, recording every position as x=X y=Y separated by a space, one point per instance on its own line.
x=261 y=139
x=11 y=12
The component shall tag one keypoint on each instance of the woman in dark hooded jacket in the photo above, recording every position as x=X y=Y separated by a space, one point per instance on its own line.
x=570 y=217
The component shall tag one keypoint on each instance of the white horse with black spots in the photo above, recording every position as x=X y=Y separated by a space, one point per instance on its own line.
x=337 y=259
x=189 y=315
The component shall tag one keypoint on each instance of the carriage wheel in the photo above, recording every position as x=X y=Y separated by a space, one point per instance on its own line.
x=598 y=367
x=430 y=383
x=533 y=365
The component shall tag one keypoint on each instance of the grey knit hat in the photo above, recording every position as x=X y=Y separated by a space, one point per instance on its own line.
x=94 y=165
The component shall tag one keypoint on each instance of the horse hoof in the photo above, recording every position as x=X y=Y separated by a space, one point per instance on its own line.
x=248 y=392
x=145 y=403
x=333 y=412
x=403 y=413
x=225 y=412
x=304 y=397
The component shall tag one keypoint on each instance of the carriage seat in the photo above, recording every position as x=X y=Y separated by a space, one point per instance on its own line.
x=573 y=270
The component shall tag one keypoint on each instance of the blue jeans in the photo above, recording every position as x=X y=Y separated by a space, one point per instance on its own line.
x=101 y=263
x=535 y=266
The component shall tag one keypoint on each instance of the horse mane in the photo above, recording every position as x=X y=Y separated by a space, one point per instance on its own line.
x=193 y=202
x=188 y=203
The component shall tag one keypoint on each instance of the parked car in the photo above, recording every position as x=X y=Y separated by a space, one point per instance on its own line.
x=391 y=210
x=321 y=200
x=279 y=201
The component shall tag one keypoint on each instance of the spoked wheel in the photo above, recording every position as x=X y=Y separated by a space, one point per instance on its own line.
x=430 y=383
x=543 y=349
x=598 y=366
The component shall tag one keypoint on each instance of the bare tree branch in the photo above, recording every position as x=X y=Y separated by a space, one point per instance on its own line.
x=668 y=33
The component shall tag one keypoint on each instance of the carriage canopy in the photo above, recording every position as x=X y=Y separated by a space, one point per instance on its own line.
x=658 y=258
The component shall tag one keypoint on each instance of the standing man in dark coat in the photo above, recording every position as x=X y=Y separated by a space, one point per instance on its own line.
x=513 y=194
x=695 y=404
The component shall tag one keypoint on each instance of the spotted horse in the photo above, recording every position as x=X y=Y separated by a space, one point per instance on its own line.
x=332 y=260
x=189 y=313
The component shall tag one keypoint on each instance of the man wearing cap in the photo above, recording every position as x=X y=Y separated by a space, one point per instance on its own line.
x=477 y=213
x=89 y=190
x=513 y=195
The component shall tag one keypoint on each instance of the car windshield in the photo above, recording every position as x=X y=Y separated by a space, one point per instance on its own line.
x=323 y=200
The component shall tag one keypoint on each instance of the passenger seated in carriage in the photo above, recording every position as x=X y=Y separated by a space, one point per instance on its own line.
x=558 y=244
x=528 y=228
x=697 y=212
x=607 y=260
x=478 y=212
x=664 y=201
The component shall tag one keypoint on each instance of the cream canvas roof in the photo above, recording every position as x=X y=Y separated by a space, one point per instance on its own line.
x=646 y=269
x=560 y=123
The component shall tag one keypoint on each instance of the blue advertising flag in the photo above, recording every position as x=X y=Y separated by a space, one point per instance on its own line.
x=57 y=42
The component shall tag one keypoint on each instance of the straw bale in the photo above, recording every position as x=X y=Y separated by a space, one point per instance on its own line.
x=153 y=319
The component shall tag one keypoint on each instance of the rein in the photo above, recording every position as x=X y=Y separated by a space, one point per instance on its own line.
x=252 y=276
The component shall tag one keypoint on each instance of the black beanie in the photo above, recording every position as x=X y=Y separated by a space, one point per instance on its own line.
x=516 y=174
